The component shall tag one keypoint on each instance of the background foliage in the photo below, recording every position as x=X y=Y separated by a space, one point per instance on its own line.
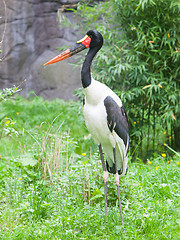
x=140 y=61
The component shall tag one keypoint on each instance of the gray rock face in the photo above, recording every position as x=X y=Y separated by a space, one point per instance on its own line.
x=33 y=34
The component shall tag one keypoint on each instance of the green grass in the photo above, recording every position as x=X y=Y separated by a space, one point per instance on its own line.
x=49 y=190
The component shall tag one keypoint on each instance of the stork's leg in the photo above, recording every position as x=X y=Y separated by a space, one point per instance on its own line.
x=117 y=183
x=105 y=177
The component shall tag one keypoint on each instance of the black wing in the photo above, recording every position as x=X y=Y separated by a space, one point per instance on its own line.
x=117 y=119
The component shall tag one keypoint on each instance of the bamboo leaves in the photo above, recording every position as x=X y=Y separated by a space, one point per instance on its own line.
x=140 y=60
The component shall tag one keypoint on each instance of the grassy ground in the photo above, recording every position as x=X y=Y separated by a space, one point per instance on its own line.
x=51 y=184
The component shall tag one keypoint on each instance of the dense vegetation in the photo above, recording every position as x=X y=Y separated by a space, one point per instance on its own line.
x=51 y=184
x=140 y=61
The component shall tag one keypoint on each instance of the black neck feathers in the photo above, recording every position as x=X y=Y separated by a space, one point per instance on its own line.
x=86 y=68
x=95 y=45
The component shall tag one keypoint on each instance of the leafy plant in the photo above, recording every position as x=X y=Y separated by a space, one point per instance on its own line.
x=8 y=92
x=140 y=61
x=7 y=125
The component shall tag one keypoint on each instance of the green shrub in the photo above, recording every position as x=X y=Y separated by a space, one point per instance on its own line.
x=140 y=61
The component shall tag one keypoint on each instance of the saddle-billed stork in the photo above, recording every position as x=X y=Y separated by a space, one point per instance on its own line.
x=105 y=116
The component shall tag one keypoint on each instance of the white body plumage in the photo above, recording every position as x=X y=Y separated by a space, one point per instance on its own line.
x=96 y=121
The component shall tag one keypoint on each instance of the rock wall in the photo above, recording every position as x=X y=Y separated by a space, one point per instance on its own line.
x=33 y=34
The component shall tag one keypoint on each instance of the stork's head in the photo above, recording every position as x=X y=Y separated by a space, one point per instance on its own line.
x=96 y=39
x=93 y=39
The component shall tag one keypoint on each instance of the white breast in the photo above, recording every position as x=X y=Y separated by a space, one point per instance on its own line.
x=96 y=122
x=97 y=92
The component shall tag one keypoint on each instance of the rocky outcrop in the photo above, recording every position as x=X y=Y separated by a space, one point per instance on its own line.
x=33 y=35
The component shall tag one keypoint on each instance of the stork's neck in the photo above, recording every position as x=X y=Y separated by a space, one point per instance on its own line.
x=86 y=68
